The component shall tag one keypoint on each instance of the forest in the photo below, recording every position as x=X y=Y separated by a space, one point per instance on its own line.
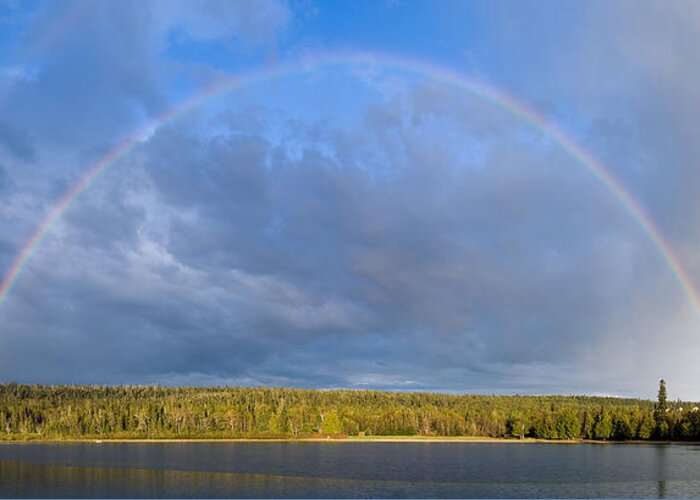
x=149 y=412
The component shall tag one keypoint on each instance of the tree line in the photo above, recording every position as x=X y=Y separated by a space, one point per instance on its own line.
x=64 y=412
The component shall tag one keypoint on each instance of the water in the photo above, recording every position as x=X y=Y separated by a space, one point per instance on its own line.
x=346 y=470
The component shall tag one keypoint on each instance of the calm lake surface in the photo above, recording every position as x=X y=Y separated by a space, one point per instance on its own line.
x=346 y=470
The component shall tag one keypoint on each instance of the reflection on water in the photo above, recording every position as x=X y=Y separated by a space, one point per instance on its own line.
x=661 y=460
x=268 y=470
x=18 y=479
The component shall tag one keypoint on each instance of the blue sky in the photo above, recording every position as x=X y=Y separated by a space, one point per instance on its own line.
x=350 y=224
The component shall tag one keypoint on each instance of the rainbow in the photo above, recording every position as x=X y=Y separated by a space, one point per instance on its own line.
x=432 y=72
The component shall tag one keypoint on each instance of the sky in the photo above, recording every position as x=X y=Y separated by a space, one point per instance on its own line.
x=364 y=195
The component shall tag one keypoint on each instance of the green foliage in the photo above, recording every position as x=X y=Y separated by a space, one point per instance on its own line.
x=646 y=428
x=567 y=424
x=661 y=402
x=544 y=427
x=664 y=426
x=62 y=412
x=622 y=428
x=330 y=423
x=603 y=426
x=587 y=426
x=517 y=425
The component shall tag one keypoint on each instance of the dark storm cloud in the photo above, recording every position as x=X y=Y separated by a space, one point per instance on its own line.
x=309 y=249
x=248 y=262
x=92 y=73
x=434 y=242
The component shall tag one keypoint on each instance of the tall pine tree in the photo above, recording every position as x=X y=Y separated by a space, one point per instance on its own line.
x=660 y=409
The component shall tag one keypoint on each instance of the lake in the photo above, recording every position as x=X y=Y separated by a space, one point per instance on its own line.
x=347 y=470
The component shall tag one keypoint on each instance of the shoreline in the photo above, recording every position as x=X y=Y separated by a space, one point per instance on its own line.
x=351 y=439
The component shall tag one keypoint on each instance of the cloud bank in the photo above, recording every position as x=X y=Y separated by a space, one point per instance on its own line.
x=367 y=231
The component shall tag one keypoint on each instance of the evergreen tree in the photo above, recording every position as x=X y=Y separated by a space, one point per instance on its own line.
x=587 y=427
x=517 y=425
x=660 y=411
x=646 y=427
x=603 y=427
x=568 y=425
x=622 y=428
x=92 y=412
x=662 y=403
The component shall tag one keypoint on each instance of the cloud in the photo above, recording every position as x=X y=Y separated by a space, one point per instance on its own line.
x=625 y=80
x=281 y=255
x=17 y=142
x=96 y=76
x=392 y=233
x=98 y=70
x=5 y=180
x=252 y=21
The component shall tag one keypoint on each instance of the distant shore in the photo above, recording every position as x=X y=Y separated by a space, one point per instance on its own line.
x=86 y=413
x=348 y=439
